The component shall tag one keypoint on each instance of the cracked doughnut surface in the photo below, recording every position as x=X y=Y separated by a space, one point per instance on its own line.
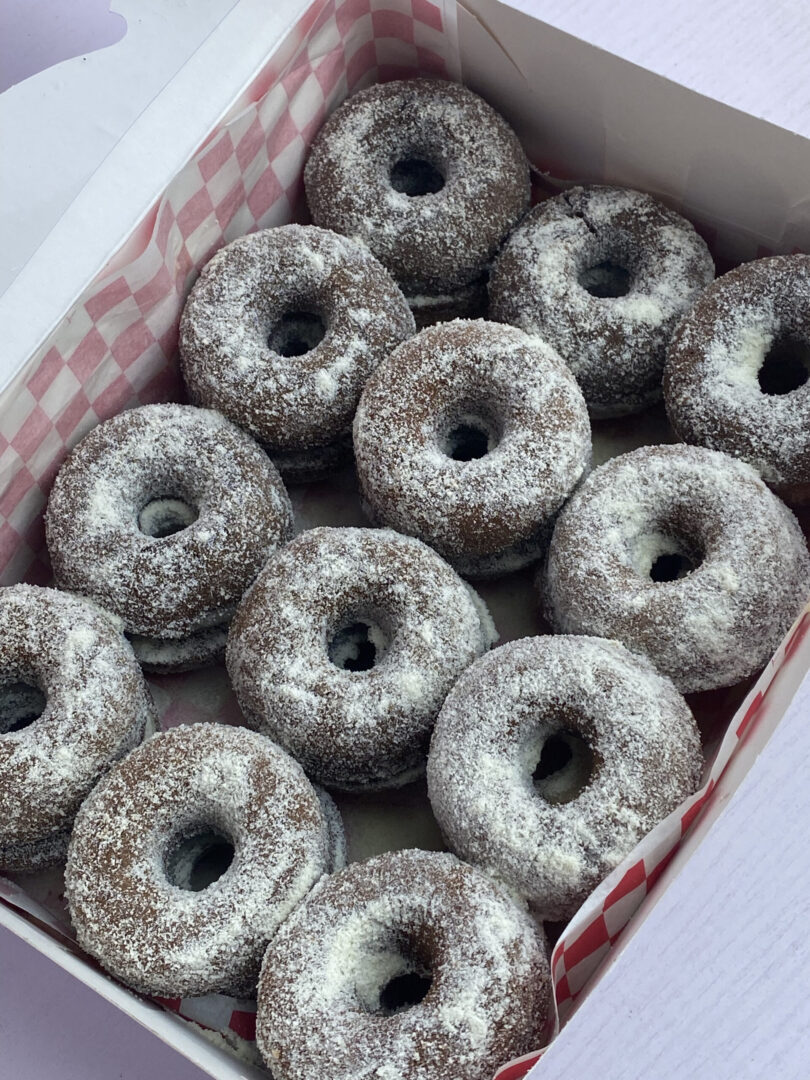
x=603 y=274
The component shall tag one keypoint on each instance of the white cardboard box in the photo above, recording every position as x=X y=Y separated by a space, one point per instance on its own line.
x=583 y=114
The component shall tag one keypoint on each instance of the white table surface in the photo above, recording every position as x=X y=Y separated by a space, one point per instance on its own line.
x=747 y=54
x=718 y=987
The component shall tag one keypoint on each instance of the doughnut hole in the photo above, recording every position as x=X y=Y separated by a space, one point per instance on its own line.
x=21 y=703
x=469 y=434
x=396 y=976
x=664 y=556
x=404 y=991
x=297 y=332
x=564 y=767
x=416 y=175
x=785 y=366
x=606 y=280
x=165 y=516
x=359 y=643
x=606 y=268
x=198 y=857
x=671 y=566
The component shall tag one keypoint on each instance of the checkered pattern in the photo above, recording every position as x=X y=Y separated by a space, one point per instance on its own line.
x=216 y=1012
x=118 y=345
x=593 y=931
x=117 y=348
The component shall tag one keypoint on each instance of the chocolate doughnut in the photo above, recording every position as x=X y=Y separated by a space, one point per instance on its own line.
x=72 y=701
x=164 y=515
x=467 y=302
x=145 y=883
x=471 y=436
x=164 y=656
x=737 y=371
x=603 y=274
x=307 y=466
x=685 y=556
x=345 y=647
x=336 y=851
x=281 y=331
x=410 y=966
x=552 y=757
x=429 y=177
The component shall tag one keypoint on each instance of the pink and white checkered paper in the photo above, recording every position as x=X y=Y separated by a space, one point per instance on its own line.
x=117 y=348
x=589 y=938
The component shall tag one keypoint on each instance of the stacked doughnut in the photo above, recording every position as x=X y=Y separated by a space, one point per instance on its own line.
x=210 y=858
x=164 y=515
x=431 y=179
x=279 y=334
x=72 y=702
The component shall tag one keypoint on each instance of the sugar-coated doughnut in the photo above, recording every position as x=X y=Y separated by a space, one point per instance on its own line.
x=306 y=466
x=72 y=701
x=167 y=656
x=552 y=757
x=337 y=853
x=345 y=647
x=164 y=515
x=281 y=331
x=410 y=966
x=471 y=436
x=603 y=274
x=467 y=302
x=134 y=881
x=429 y=176
x=684 y=555
x=737 y=371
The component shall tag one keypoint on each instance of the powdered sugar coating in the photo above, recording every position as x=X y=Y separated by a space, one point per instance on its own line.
x=414 y=912
x=488 y=740
x=492 y=513
x=96 y=709
x=166 y=940
x=615 y=345
x=290 y=403
x=353 y=728
x=432 y=243
x=720 y=622
x=711 y=384
x=179 y=584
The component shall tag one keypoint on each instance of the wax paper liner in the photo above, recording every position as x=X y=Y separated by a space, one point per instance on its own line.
x=116 y=348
